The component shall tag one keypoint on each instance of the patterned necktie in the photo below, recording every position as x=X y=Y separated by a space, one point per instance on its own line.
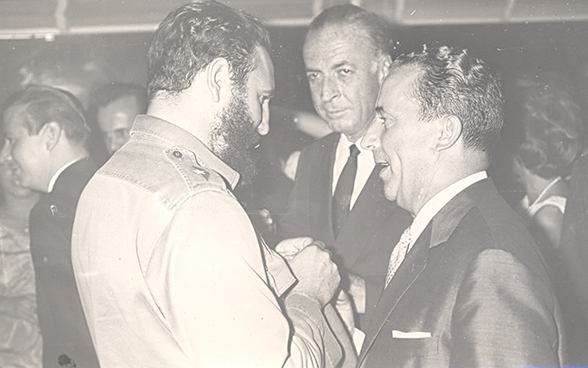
x=343 y=190
x=398 y=254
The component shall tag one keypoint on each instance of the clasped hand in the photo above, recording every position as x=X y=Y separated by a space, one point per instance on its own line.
x=318 y=277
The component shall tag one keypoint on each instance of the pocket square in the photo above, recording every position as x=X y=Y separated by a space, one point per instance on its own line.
x=410 y=335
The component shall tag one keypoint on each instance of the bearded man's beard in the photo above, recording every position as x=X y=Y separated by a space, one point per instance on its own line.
x=234 y=139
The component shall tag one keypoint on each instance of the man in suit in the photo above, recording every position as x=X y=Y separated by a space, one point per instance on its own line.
x=346 y=55
x=46 y=136
x=466 y=285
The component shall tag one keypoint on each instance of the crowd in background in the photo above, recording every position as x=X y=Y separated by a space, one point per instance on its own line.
x=540 y=169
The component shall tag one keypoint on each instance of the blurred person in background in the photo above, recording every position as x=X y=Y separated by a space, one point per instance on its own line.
x=46 y=137
x=548 y=140
x=20 y=337
x=113 y=108
x=552 y=130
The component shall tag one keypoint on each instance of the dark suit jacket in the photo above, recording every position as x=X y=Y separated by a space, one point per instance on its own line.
x=570 y=270
x=62 y=321
x=373 y=226
x=476 y=282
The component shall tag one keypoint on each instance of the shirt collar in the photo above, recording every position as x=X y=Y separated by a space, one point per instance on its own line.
x=439 y=200
x=345 y=143
x=176 y=136
x=58 y=172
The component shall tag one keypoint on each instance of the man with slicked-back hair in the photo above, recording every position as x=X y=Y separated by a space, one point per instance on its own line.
x=46 y=136
x=466 y=285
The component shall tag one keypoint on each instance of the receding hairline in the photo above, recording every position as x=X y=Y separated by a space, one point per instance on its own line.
x=352 y=28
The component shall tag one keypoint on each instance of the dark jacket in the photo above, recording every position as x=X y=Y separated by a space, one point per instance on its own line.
x=475 y=281
x=373 y=226
x=66 y=339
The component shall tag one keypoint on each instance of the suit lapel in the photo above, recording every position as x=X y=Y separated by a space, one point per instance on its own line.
x=437 y=232
x=409 y=271
x=370 y=211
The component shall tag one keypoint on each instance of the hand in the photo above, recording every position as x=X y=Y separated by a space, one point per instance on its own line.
x=288 y=248
x=318 y=277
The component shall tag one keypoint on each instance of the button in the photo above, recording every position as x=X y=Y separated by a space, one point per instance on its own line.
x=177 y=154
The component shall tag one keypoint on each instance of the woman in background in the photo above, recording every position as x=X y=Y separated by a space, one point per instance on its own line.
x=552 y=125
x=20 y=338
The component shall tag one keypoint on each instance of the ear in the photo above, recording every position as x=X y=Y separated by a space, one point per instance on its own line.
x=219 y=79
x=450 y=132
x=384 y=63
x=51 y=133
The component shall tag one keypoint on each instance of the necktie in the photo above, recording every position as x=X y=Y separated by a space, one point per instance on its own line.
x=343 y=190
x=398 y=254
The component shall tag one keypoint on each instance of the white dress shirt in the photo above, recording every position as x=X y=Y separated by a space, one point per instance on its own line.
x=365 y=166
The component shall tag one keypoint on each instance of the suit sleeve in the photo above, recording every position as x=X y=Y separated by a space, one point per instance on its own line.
x=296 y=221
x=503 y=316
x=217 y=296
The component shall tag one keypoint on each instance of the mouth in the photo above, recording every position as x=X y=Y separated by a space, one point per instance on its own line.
x=335 y=113
x=380 y=158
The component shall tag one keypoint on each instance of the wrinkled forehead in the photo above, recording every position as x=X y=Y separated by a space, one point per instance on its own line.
x=317 y=39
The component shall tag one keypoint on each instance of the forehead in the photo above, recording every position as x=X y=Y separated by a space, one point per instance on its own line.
x=336 y=43
x=14 y=118
x=398 y=87
x=126 y=104
x=262 y=77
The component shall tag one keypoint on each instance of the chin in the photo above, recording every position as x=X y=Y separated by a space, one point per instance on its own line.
x=390 y=195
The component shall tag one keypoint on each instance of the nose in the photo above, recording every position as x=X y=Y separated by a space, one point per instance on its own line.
x=263 y=128
x=371 y=138
x=5 y=155
x=329 y=89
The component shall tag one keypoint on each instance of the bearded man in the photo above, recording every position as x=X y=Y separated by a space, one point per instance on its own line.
x=170 y=270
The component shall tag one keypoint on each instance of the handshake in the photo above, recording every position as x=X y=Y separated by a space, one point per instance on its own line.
x=318 y=276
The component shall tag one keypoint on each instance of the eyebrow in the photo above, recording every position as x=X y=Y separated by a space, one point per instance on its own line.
x=342 y=63
x=338 y=65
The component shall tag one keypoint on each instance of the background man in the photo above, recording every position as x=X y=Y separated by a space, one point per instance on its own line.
x=346 y=54
x=472 y=290
x=114 y=107
x=169 y=268
x=46 y=136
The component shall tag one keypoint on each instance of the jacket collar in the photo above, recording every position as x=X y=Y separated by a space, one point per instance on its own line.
x=445 y=222
x=437 y=232
x=175 y=136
